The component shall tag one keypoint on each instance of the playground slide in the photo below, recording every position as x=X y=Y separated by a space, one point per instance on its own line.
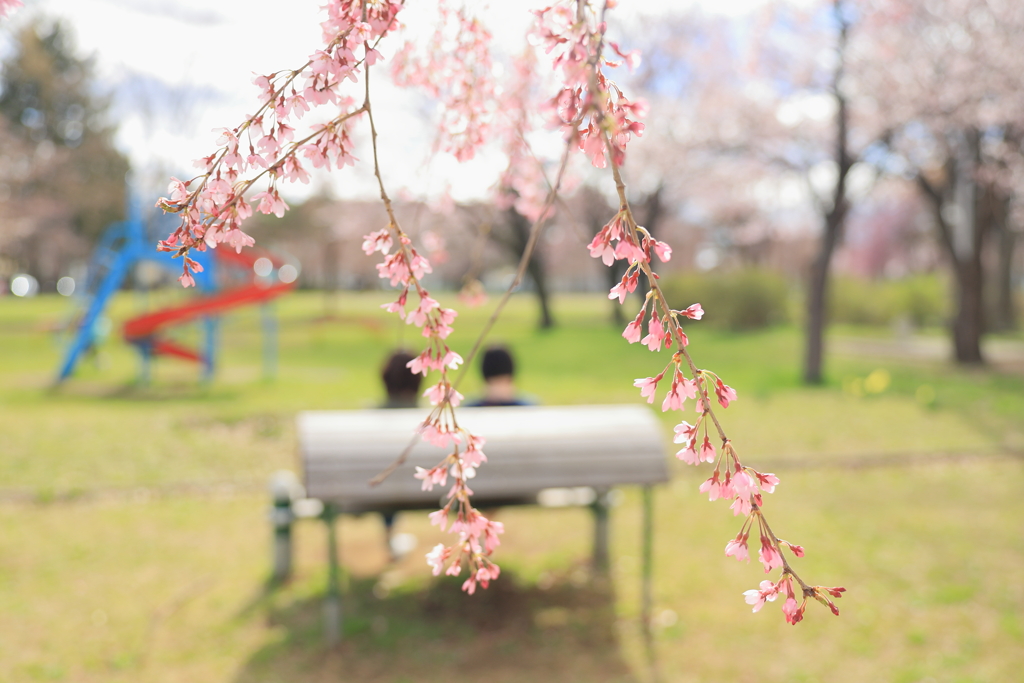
x=144 y=328
x=128 y=243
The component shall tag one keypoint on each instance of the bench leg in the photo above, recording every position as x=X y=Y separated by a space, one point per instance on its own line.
x=281 y=518
x=332 y=602
x=647 y=571
x=600 y=509
x=647 y=555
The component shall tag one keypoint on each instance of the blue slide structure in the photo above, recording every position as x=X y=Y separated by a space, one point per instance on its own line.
x=129 y=243
x=122 y=247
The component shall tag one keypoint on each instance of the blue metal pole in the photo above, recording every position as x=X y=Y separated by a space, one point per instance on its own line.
x=269 y=320
x=146 y=358
x=210 y=325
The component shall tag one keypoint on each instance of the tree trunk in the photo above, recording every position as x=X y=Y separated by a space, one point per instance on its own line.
x=1004 y=311
x=968 y=324
x=817 y=299
x=520 y=236
x=964 y=241
x=535 y=269
x=332 y=253
x=834 y=217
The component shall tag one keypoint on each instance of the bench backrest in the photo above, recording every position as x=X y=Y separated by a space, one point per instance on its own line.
x=529 y=448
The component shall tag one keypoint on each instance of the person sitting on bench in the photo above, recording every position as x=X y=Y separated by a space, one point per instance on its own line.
x=401 y=384
x=498 y=370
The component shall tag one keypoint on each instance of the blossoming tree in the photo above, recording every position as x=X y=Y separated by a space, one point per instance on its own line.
x=595 y=116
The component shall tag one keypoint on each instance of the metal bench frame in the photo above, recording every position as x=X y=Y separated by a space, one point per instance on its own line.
x=530 y=450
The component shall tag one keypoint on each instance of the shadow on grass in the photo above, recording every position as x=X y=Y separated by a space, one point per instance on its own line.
x=510 y=632
x=134 y=391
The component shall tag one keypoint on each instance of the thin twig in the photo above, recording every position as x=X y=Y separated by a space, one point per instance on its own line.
x=524 y=261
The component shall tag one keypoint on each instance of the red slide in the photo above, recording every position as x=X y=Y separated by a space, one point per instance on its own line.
x=148 y=325
x=145 y=328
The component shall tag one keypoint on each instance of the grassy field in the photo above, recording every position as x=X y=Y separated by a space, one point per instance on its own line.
x=135 y=545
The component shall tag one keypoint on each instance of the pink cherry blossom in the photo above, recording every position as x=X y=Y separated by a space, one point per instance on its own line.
x=707 y=451
x=741 y=506
x=675 y=396
x=655 y=334
x=619 y=291
x=419 y=316
x=685 y=432
x=663 y=251
x=794 y=614
x=737 y=548
x=439 y=518
x=767 y=481
x=648 y=385
x=744 y=484
x=434 y=476
x=757 y=597
x=712 y=487
x=452 y=360
x=436 y=558
x=439 y=436
x=473 y=457
x=270 y=202
x=625 y=249
x=725 y=393
x=635 y=328
x=690 y=456
x=441 y=392
x=769 y=555
x=601 y=247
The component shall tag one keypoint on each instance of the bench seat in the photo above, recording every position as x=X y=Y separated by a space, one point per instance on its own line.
x=528 y=448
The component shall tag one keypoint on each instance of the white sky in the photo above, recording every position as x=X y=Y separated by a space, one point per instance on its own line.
x=184 y=67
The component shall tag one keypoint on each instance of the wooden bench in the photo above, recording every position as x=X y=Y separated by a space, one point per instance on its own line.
x=535 y=455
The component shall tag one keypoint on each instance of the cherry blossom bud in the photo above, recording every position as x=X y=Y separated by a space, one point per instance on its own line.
x=725 y=393
x=634 y=329
x=694 y=312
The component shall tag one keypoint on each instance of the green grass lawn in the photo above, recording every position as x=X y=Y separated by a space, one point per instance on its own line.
x=135 y=544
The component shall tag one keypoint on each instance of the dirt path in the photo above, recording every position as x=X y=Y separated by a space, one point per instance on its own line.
x=1003 y=354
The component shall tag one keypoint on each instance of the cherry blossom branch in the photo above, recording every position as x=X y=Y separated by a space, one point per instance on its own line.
x=524 y=261
x=599 y=119
x=605 y=136
x=213 y=212
x=477 y=535
x=742 y=483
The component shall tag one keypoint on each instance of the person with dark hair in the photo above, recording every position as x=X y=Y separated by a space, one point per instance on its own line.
x=401 y=383
x=498 y=370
